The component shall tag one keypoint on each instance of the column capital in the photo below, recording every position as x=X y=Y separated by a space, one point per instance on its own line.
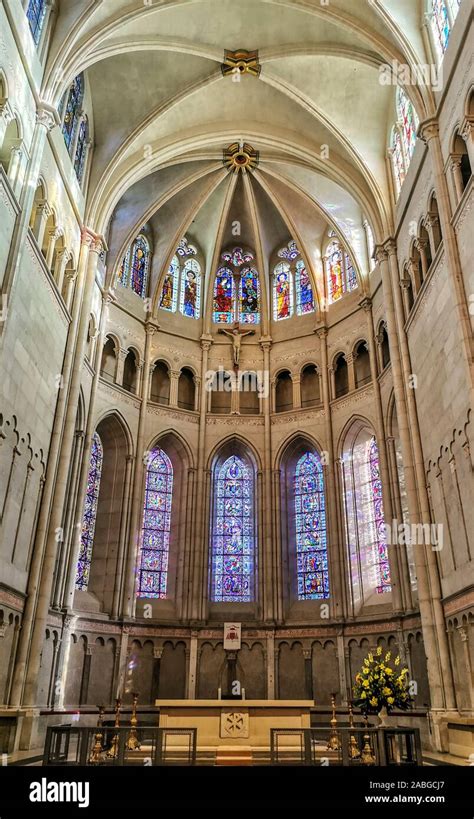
x=6 y=111
x=266 y=342
x=421 y=244
x=467 y=127
x=366 y=304
x=463 y=634
x=428 y=129
x=43 y=208
x=322 y=332
x=175 y=374
x=47 y=116
x=390 y=246
x=380 y=254
x=55 y=233
x=63 y=254
x=151 y=328
x=206 y=342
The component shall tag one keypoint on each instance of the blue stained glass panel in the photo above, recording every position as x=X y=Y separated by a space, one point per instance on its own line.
x=249 y=297
x=304 y=291
x=310 y=528
x=223 y=312
x=381 y=552
x=289 y=252
x=36 y=14
x=190 y=299
x=140 y=260
x=73 y=110
x=282 y=292
x=237 y=257
x=169 y=290
x=81 y=149
x=153 y=570
x=232 y=561
x=440 y=25
x=90 y=514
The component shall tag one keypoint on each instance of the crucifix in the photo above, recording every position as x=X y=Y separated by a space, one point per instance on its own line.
x=236 y=334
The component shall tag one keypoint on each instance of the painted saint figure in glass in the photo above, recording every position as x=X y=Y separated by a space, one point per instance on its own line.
x=73 y=110
x=282 y=292
x=232 y=540
x=249 y=312
x=139 y=265
x=169 y=291
x=224 y=297
x=90 y=514
x=310 y=529
x=156 y=527
x=304 y=291
x=191 y=289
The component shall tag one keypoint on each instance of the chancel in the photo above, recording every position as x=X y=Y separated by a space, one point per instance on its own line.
x=236 y=436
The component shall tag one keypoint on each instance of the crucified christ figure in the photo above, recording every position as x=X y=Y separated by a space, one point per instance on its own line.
x=236 y=334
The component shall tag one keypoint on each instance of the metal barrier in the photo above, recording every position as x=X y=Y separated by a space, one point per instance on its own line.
x=110 y=746
x=345 y=746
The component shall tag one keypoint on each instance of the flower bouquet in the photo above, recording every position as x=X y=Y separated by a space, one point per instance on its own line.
x=381 y=684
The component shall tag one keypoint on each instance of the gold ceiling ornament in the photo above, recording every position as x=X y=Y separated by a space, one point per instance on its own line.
x=241 y=155
x=241 y=62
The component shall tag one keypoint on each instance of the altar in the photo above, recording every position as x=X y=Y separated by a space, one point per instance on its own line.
x=235 y=723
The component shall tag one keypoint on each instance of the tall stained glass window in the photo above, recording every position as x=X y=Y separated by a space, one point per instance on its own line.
x=376 y=521
x=310 y=527
x=233 y=540
x=169 y=291
x=153 y=571
x=340 y=272
x=408 y=122
x=304 y=291
x=139 y=264
x=440 y=25
x=90 y=514
x=73 y=110
x=224 y=297
x=190 y=299
x=36 y=13
x=282 y=292
x=81 y=149
x=398 y=161
x=249 y=308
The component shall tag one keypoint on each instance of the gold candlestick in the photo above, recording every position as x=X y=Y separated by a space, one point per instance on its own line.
x=368 y=756
x=132 y=743
x=112 y=753
x=333 y=744
x=97 y=753
x=354 y=752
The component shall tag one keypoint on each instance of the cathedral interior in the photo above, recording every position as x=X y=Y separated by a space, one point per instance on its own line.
x=237 y=304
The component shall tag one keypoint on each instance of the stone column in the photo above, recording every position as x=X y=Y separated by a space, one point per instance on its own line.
x=197 y=392
x=155 y=685
x=17 y=165
x=402 y=553
x=122 y=662
x=308 y=673
x=366 y=305
x=439 y=670
x=6 y=116
x=49 y=532
x=71 y=277
x=421 y=246
x=405 y=284
x=270 y=655
x=198 y=587
x=432 y=226
x=350 y=359
x=340 y=653
x=338 y=602
x=296 y=391
x=269 y=545
x=467 y=674
x=70 y=531
x=62 y=258
x=174 y=385
x=119 y=578
x=43 y=212
x=467 y=133
x=46 y=119
x=456 y=174
x=122 y=355
x=429 y=132
x=128 y=603
x=54 y=235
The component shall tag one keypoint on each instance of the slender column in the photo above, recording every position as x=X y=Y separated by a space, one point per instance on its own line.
x=366 y=304
x=46 y=119
x=69 y=530
x=192 y=669
x=122 y=663
x=54 y=235
x=429 y=132
x=119 y=578
x=405 y=285
x=340 y=652
x=428 y=585
x=296 y=392
x=6 y=116
x=332 y=377
x=270 y=653
x=16 y=167
x=467 y=674
x=128 y=604
x=421 y=245
x=46 y=542
x=271 y=559
x=174 y=376
x=62 y=258
x=122 y=355
x=277 y=521
x=351 y=359
x=42 y=214
x=467 y=133
x=197 y=393
x=199 y=598
x=402 y=553
x=457 y=177
x=338 y=600
x=308 y=673
x=71 y=277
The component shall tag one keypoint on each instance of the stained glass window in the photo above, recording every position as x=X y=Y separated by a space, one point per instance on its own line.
x=290 y=252
x=81 y=148
x=153 y=572
x=123 y=274
x=224 y=297
x=282 y=292
x=140 y=260
x=408 y=122
x=190 y=299
x=249 y=311
x=377 y=522
x=304 y=291
x=185 y=249
x=36 y=14
x=440 y=25
x=90 y=514
x=232 y=566
x=73 y=110
x=335 y=272
x=310 y=527
x=237 y=257
x=398 y=161
x=351 y=277
x=169 y=291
